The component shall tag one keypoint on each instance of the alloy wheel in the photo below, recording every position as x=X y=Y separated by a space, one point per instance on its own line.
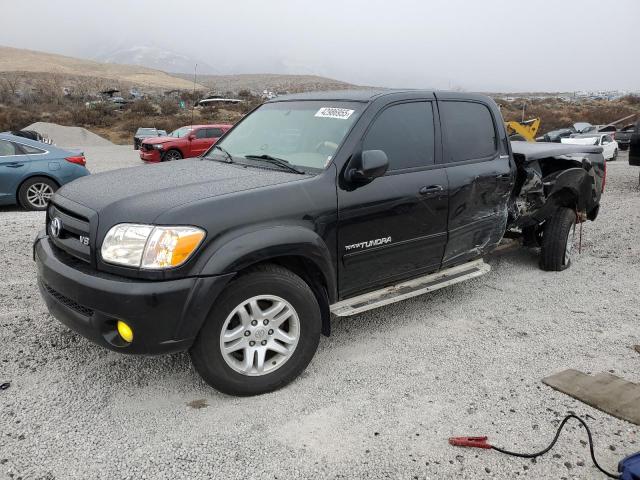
x=260 y=335
x=171 y=155
x=39 y=194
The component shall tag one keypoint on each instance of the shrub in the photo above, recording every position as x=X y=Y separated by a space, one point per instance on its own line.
x=143 y=107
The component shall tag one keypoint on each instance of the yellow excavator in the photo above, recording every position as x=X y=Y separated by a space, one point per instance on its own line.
x=523 y=131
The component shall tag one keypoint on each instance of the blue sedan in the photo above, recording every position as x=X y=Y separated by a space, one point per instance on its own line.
x=31 y=171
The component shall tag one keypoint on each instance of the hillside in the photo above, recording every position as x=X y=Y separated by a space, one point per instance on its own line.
x=272 y=82
x=29 y=61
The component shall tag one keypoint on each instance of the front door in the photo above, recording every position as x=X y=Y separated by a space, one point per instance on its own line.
x=481 y=178
x=608 y=147
x=396 y=226
x=14 y=164
x=204 y=138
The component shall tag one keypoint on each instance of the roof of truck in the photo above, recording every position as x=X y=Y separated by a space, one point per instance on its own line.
x=370 y=94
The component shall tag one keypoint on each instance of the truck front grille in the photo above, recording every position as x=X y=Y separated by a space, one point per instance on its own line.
x=67 y=302
x=73 y=236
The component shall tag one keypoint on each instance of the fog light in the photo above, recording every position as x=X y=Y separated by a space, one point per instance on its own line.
x=125 y=331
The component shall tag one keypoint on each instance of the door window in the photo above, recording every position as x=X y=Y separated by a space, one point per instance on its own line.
x=216 y=132
x=405 y=132
x=7 y=149
x=469 y=130
x=204 y=133
x=30 y=150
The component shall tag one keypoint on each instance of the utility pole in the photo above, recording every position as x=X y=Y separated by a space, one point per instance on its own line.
x=193 y=108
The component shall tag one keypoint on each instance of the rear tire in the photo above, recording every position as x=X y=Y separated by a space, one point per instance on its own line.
x=170 y=155
x=227 y=351
x=35 y=193
x=557 y=240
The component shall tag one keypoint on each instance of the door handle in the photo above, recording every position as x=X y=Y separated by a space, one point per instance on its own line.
x=431 y=190
x=503 y=177
x=13 y=164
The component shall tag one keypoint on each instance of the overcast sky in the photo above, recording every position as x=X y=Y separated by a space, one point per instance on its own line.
x=488 y=45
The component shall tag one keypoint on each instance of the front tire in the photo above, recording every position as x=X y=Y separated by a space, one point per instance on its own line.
x=171 y=155
x=262 y=333
x=35 y=193
x=557 y=240
x=615 y=155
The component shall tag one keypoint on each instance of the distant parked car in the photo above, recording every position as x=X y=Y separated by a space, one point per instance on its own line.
x=31 y=135
x=185 y=142
x=143 y=133
x=31 y=171
x=583 y=127
x=556 y=136
x=604 y=140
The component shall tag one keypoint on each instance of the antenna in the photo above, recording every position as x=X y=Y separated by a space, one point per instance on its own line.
x=195 y=76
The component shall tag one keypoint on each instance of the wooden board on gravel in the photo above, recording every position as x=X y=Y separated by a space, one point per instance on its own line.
x=606 y=392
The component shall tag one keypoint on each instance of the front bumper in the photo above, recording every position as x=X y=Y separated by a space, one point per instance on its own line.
x=164 y=316
x=150 y=155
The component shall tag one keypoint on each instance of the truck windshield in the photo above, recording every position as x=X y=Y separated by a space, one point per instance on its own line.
x=306 y=133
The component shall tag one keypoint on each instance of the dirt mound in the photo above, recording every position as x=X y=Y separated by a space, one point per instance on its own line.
x=69 y=136
x=23 y=61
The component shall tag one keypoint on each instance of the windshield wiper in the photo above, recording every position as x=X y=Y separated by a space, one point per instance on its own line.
x=280 y=162
x=223 y=150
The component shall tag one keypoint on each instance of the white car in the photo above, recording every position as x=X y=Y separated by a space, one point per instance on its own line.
x=605 y=140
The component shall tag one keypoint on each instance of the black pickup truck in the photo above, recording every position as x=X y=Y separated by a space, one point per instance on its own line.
x=312 y=205
x=623 y=136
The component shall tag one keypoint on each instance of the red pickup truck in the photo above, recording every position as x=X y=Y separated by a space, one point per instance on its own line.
x=185 y=142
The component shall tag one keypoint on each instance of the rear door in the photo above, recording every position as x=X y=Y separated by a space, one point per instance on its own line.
x=396 y=226
x=481 y=175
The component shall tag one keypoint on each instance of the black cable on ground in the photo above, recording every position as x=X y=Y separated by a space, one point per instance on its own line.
x=555 y=439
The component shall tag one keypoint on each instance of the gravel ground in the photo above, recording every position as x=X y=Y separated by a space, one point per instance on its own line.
x=379 y=400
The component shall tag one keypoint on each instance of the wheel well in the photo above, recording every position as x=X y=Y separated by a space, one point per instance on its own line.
x=564 y=197
x=29 y=178
x=313 y=276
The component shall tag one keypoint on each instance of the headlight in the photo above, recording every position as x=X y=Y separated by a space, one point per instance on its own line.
x=146 y=246
x=158 y=146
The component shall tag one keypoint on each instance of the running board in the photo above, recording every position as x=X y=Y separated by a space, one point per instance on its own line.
x=411 y=288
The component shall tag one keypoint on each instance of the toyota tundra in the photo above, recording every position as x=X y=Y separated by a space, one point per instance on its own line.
x=313 y=205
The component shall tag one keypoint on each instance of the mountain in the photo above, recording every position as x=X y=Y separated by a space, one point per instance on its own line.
x=257 y=82
x=75 y=70
x=156 y=58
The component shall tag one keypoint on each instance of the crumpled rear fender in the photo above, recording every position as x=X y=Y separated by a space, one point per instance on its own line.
x=571 y=188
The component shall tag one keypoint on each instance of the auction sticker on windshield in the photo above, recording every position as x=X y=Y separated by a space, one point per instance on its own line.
x=332 y=112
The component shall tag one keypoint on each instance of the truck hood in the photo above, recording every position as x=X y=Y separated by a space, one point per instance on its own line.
x=140 y=194
x=158 y=139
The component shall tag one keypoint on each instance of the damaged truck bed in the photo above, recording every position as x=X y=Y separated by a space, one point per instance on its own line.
x=553 y=183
